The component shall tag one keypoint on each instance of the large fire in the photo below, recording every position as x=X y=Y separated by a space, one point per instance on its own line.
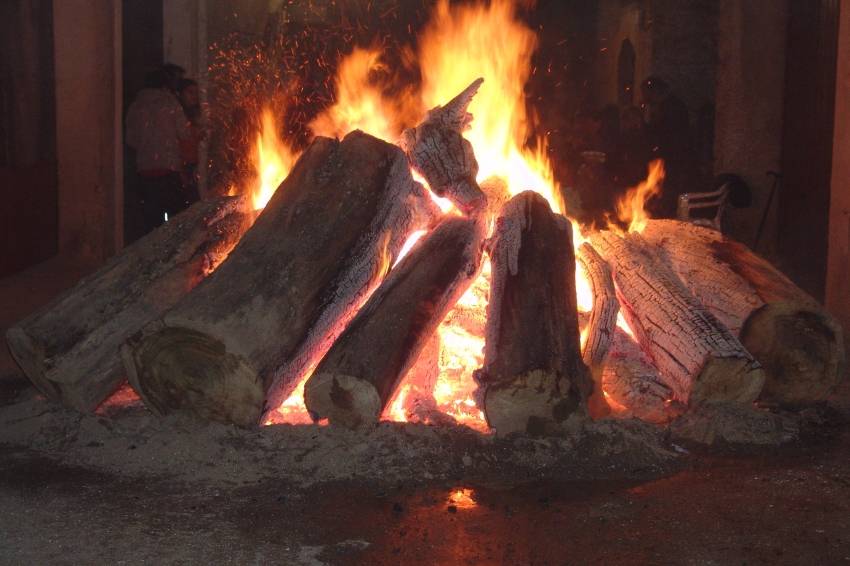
x=458 y=45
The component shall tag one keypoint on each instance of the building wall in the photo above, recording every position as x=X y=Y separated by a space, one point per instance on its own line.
x=88 y=124
x=616 y=23
x=749 y=106
x=838 y=267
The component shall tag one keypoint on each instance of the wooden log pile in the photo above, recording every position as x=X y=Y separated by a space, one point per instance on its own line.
x=310 y=290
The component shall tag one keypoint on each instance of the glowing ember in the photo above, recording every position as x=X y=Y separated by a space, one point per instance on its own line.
x=408 y=245
x=272 y=161
x=630 y=208
x=462 y=499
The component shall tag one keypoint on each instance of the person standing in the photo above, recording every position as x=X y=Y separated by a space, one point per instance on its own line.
x=154 y=124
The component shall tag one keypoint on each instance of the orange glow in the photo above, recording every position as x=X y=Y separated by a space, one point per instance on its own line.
x=630 y=208
x=272 y=160
x=293 y=410
x=408 y=245
x=466 y=41
x=462 y=499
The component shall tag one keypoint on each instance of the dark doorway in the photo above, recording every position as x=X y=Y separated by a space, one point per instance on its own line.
x=29 y=216
x=807 y=141
x=626 y=74
x=142 y=51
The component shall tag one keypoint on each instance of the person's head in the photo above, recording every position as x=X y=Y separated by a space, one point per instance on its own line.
x=187 y=93
x=156 y=78
x=175 y=73
x=654 y=89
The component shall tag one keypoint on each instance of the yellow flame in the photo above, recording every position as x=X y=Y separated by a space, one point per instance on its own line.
x=630 y=208
x=466 y=41
x=408 y=245
x=462 y=499
x=359 y=102
x=272 y=160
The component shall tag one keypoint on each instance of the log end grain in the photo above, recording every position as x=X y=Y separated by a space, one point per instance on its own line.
x=344 y=400
x=538 y=402
x=182 y=370
x=801 y=348
x=728 y=379
x=29 y=354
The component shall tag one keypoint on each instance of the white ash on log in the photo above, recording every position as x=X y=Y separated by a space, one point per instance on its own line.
x=797 y=342
x=533 y=377
x=632 y=380
x=602 y=320
x=439 y=152
x=322 y=244
x=699 y=356
x=358 y=376
x=69 y=348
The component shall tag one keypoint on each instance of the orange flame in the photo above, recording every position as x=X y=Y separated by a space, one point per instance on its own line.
x=464 y=42
x=272 y=160
x=630 y=208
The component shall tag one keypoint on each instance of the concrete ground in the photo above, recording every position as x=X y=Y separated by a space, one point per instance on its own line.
x=783 y=506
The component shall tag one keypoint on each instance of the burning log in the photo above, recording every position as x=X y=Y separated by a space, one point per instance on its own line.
x=69 y=348
x=357 y=378
x=602 y=320
x=631 y=379
x=533 y=377
x=323 y=242
x=439 y=152
x=798 y=343
x=697 y=354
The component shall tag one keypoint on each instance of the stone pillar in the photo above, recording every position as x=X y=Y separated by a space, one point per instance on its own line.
x=749 y=105
x=87 y=37
x=838 y=262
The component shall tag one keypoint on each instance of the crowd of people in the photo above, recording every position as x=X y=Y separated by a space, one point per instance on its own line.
x=612 y=148
x=164 y=127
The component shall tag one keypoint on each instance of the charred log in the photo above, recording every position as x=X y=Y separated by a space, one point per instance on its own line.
x=69 y=348
x=798 y=343
x=697 y=354
x=357 y=378
x=323 y=243
x=533 y=377
x=439 y=152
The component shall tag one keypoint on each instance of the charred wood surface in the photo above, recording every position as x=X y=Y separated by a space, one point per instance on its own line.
x=699 y=356
x=323 y=243
x=440 y=153
x=798 y=343
x=533 y=377
x=69 y=348
x=360 y=373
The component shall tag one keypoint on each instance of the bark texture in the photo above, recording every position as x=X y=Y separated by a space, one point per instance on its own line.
x=439 y=152
x=799 y=344
x=699 y=356
x=360 y=373
x=322 y=244
x=69 y=348
x=533 y=377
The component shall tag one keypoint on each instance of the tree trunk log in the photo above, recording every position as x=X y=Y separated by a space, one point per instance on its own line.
x=602 y=320
x=697 y=354
x=69 y=348
x=533 y=377
x=360 y=373
x=323 y=243
x=439 y=152
x=798 y=343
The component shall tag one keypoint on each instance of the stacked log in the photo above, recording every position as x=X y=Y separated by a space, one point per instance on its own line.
x=357 y=378
x=799 y=344
x=698 y=356
x=533 y=377
x=69 y=348
x=320 y=247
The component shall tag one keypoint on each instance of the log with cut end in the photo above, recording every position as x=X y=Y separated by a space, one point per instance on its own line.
x=799 y=344
x=697 y=354
x=322 y=244
x=533 y=377
x=602 y=319
x=358 y=376
x=69 y=348
x=439 y=152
